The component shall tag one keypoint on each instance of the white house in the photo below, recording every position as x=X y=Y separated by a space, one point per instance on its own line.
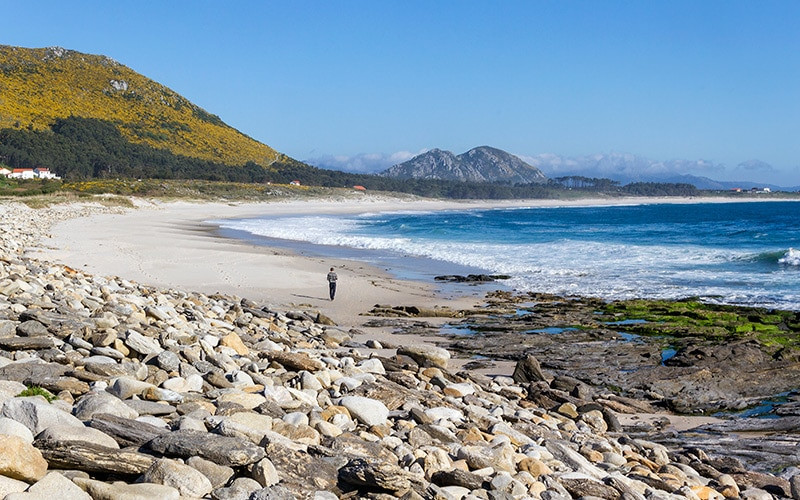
x=22 y=173
x=5 y=172
x=45 y=173
x=32 y=173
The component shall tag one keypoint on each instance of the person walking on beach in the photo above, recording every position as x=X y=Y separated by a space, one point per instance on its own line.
x=332 y=282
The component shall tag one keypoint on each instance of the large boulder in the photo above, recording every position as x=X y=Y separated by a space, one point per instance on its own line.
x=20 y=460
x=37 y=414
x=425 y=355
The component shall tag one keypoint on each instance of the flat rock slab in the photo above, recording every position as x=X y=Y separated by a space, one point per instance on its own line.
x=28 y=343
x=222 y=450
x=93 y=458
x=375 y=477
x=31 y=372
x=294 y=361
x=126 y=431
x=121 y=491
x=302 y=472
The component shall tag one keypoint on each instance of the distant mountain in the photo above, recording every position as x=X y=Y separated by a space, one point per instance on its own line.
x=481 y=164
x=39 y=87
x=626 y=168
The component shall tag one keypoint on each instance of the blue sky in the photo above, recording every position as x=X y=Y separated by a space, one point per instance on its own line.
x=364 y=84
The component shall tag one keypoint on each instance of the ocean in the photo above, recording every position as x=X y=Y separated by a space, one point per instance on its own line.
x=731 y=253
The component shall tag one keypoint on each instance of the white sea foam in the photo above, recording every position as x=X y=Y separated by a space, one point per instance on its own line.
x=564 y=266
x=791 y=257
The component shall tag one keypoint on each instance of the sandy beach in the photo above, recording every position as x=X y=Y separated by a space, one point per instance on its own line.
x=171 y=245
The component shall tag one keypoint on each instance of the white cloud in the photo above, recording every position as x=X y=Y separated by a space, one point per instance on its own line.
x=362 y=163
x=755 y=166
x=619 y=166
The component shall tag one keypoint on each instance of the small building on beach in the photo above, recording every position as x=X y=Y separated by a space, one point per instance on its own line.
x=22 y=173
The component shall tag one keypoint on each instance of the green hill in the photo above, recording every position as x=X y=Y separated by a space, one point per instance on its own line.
x=42 y=88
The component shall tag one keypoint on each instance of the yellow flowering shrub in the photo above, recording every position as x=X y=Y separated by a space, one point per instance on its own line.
x=39 y=85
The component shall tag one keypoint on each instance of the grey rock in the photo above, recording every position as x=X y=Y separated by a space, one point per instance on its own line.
x=302 y=472
x=222 y=450
x=188 y=481
x=272 y=493
x=219 y=475
x=31 y=373
x=31 y=328
x=102 y=403
x=55 y=485
x=240 y=489
x=37 y=414
x=368 y=476
x=457 y=477
x=28 y=343
x=141 y=344
x=528 y=370
x=794 y=486
x=65 y=433
x=168 y=361
x=121 y=491
x=126 y=431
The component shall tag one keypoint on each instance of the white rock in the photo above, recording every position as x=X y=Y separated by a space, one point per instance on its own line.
x=372 y=365
x=8 y=486
x=444 y=413
x=264 y=472
x=141 y=344
x=368 y=411
x=55 y=485
x=14 y=428
x=37 y=414
x=126 y=387
x=122 y=491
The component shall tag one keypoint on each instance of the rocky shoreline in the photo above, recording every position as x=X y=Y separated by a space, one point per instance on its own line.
x=113 y=389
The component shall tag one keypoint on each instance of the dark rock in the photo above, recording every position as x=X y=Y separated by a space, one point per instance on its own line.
x=222 y=450
x=272 y=493
x=93 y=458
x=58 y=384
x=294 y=361
x=27 y=343
x=457 y=477
x=581 y=487
x=528 y=370
x=126 y=431
x=31 y=328
x=302 y=472
x=350 y=446
x=150 y=407
x=375 y=477
x=32 y=373
x=472 y=278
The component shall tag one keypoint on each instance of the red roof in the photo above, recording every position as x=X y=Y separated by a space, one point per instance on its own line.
x=18 y=170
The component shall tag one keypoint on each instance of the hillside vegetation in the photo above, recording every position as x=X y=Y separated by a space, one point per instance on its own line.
x=39 y=86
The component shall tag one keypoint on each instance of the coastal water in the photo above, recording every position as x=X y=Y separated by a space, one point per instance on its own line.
x=734 y=253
